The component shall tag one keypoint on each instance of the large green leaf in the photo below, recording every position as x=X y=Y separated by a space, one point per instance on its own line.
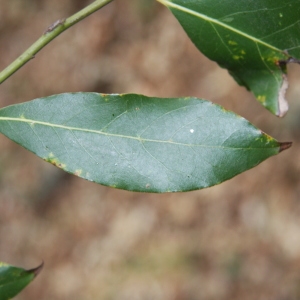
x=138 y=143
x=13 y=280
x=249 y=38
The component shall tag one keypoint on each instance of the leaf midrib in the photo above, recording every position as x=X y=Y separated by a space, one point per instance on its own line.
x=217 y=22
x=31 y=122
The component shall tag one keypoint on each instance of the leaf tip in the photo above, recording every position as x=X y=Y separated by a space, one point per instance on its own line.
x=36 y=271
x=284 y=146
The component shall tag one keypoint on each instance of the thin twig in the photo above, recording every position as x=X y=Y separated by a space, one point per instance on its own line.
x=52 y=32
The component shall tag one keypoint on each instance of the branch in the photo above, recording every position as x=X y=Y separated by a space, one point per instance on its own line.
x=52 y=32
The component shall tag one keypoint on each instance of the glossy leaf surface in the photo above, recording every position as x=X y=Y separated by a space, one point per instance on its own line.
x=249 y=38
x=13 y=280
x=138 y=143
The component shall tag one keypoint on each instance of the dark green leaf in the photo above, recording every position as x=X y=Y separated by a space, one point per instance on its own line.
x=249 y=38
x=138 y=143
x=13 y=280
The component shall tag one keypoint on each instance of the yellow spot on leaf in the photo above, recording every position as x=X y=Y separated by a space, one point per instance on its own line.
x=78 y=172
x=237 y=57
x=228 y=19
x=269 y=138
x=261 y=98
x=232 y=43
x=266 y=137
x=55 y=162
x=271 y=59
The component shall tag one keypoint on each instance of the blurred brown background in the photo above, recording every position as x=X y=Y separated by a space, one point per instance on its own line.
x=238 y=240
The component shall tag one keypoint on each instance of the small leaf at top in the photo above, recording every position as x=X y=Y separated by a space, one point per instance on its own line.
x=13 y=280
x=137 y=143
x=249 y=38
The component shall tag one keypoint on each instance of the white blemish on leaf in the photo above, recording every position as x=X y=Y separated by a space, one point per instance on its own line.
x=229 y=19
x=192 y=130
x=282 y=103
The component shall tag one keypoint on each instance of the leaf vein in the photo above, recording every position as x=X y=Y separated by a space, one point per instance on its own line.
x=51 y=125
